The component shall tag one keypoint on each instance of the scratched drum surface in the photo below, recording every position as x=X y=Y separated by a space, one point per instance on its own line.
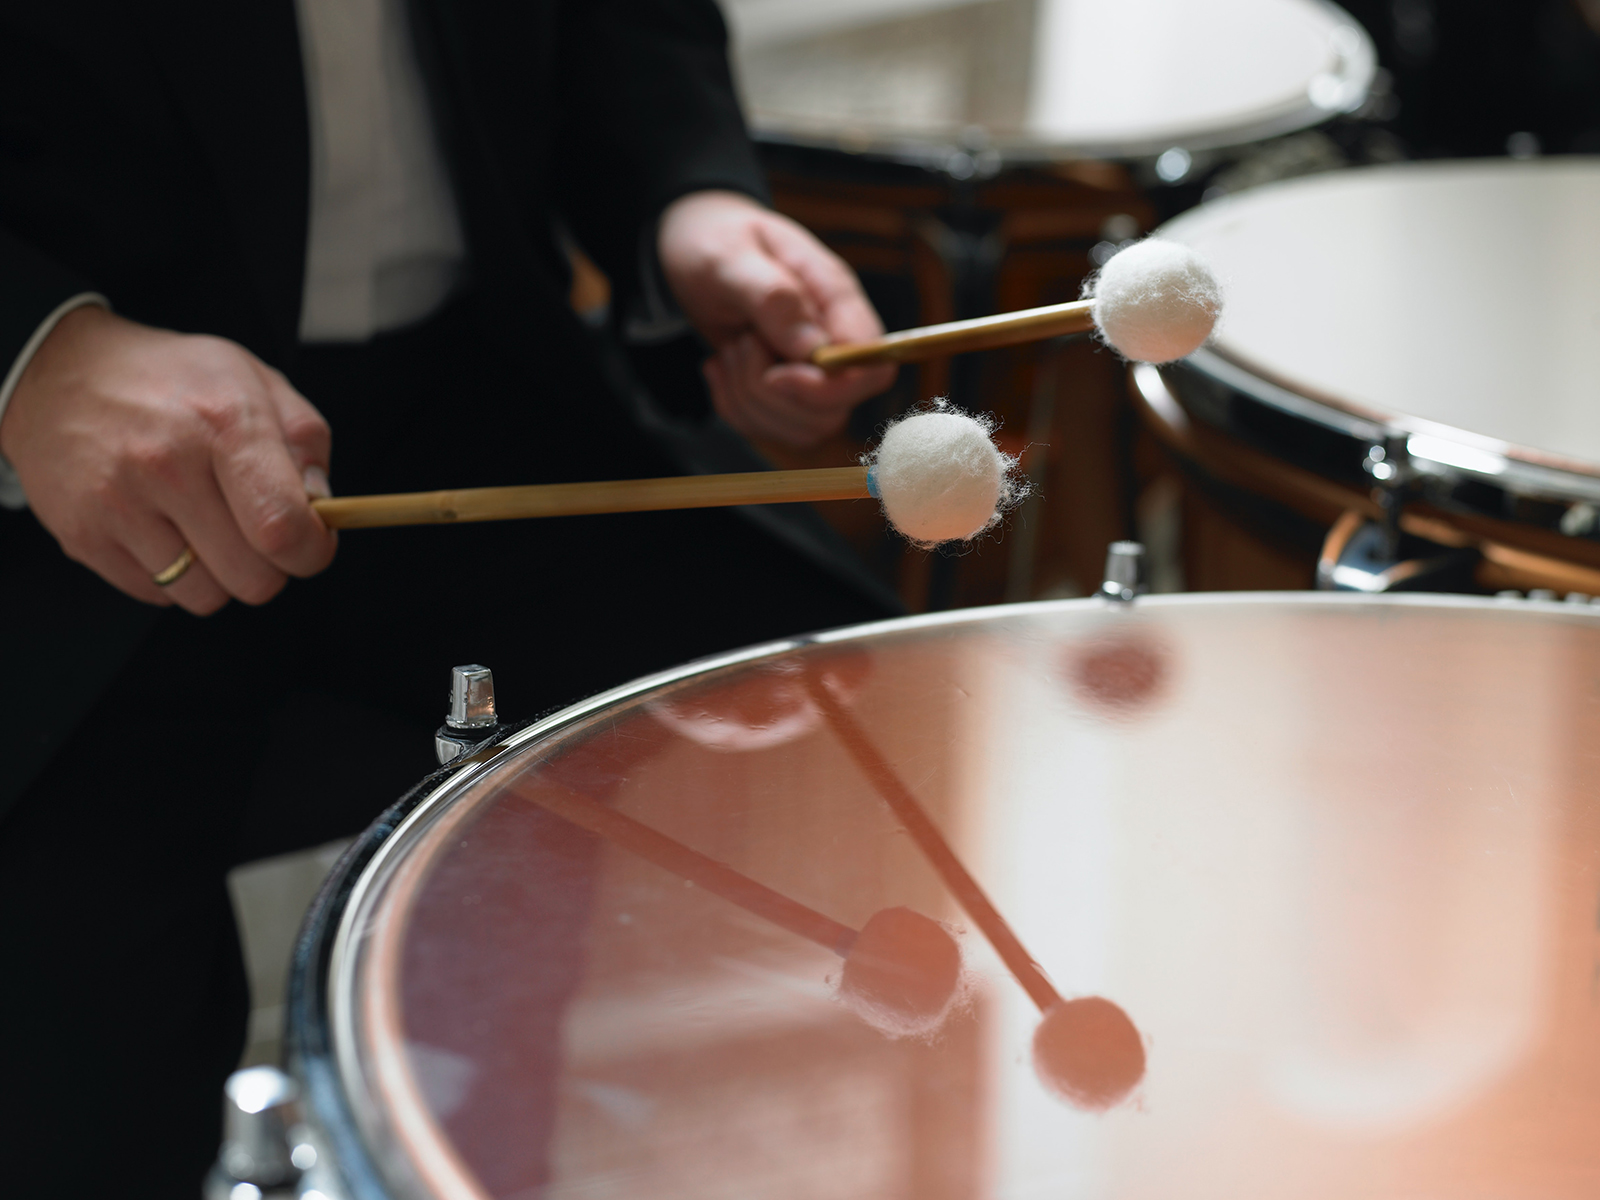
x=1338 y=859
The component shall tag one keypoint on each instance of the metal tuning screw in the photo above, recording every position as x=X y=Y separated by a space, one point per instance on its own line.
x=471 y=718
x=1124 y=572
x=1389 y=464
x=259 y=1108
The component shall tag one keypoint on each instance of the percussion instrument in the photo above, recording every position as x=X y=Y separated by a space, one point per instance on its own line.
x=1335 y=856
x=1418 y=340
x=969 y=87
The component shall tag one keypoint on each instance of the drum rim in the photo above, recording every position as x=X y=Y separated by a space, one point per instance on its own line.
x=1357 y=70
x=1437 y=449
x=321 y=957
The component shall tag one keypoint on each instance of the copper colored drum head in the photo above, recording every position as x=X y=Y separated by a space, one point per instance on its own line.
x=1329 y=867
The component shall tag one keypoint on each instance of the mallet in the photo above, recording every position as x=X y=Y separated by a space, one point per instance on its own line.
x=938 y=473
x=1155 y=301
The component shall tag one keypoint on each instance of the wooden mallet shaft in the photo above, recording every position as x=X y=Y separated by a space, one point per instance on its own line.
x=708 y=491
x=958 y=337
x=670 y=855
x=910 y=813
x=579 y=499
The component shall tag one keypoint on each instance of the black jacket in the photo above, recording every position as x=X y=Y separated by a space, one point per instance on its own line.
x=157 y=151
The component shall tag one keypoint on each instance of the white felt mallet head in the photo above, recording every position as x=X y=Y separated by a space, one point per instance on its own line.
x=1155 y=301
x=941 y=477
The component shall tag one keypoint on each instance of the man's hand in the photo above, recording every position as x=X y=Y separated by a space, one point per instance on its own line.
x=133 y=442
x=765 y=294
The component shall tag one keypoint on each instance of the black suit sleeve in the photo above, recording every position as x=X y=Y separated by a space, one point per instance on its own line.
x=648 y=114
x=32 y=286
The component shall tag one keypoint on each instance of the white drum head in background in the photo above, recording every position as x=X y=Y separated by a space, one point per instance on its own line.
x=1041 y=80
x=1457 y=301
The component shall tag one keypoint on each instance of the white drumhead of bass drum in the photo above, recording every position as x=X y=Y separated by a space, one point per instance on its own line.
x=1458 y=295
x=1044 y=79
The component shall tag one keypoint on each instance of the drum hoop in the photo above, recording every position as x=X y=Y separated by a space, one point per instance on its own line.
x=1357 y=68
x=321 y=1045
x=1436 y=449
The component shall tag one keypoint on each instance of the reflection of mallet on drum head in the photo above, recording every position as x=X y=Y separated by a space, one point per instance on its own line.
x=901 y=972
x=938 y=473
x=1086 y=1050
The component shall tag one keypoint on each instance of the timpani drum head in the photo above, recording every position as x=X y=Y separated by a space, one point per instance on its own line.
x=1043 y=80
x=1337 y=859
x=1458 y=303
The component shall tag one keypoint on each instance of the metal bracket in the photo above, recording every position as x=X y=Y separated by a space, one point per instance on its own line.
x=1359 y=555
x=1124 y=572
x=265 y=1150
x=1389 y=464
x=470 y=720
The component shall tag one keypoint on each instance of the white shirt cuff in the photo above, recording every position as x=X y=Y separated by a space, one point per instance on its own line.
x=11 y=494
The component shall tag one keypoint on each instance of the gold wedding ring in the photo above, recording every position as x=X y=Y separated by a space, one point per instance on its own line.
x=175 y=572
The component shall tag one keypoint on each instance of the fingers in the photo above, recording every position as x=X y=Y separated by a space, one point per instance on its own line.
x=794 y=403
x=306 y=434
x=196 y=590
x=833 y=290
x=805 y=384
x=796 y=295
x=265 y=467
x=737 y=267
x=776 y=302
x=158 y=546
x=133 y=442
x=729 y=375
x=207 y=523
x=735 y=404
x=119 y=568
x=232 y=487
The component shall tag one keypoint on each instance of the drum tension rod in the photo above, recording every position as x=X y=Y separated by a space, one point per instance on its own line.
x=1124 y=572
x=471 y=718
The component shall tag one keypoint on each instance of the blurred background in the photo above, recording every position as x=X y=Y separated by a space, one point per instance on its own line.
x=968 y=158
